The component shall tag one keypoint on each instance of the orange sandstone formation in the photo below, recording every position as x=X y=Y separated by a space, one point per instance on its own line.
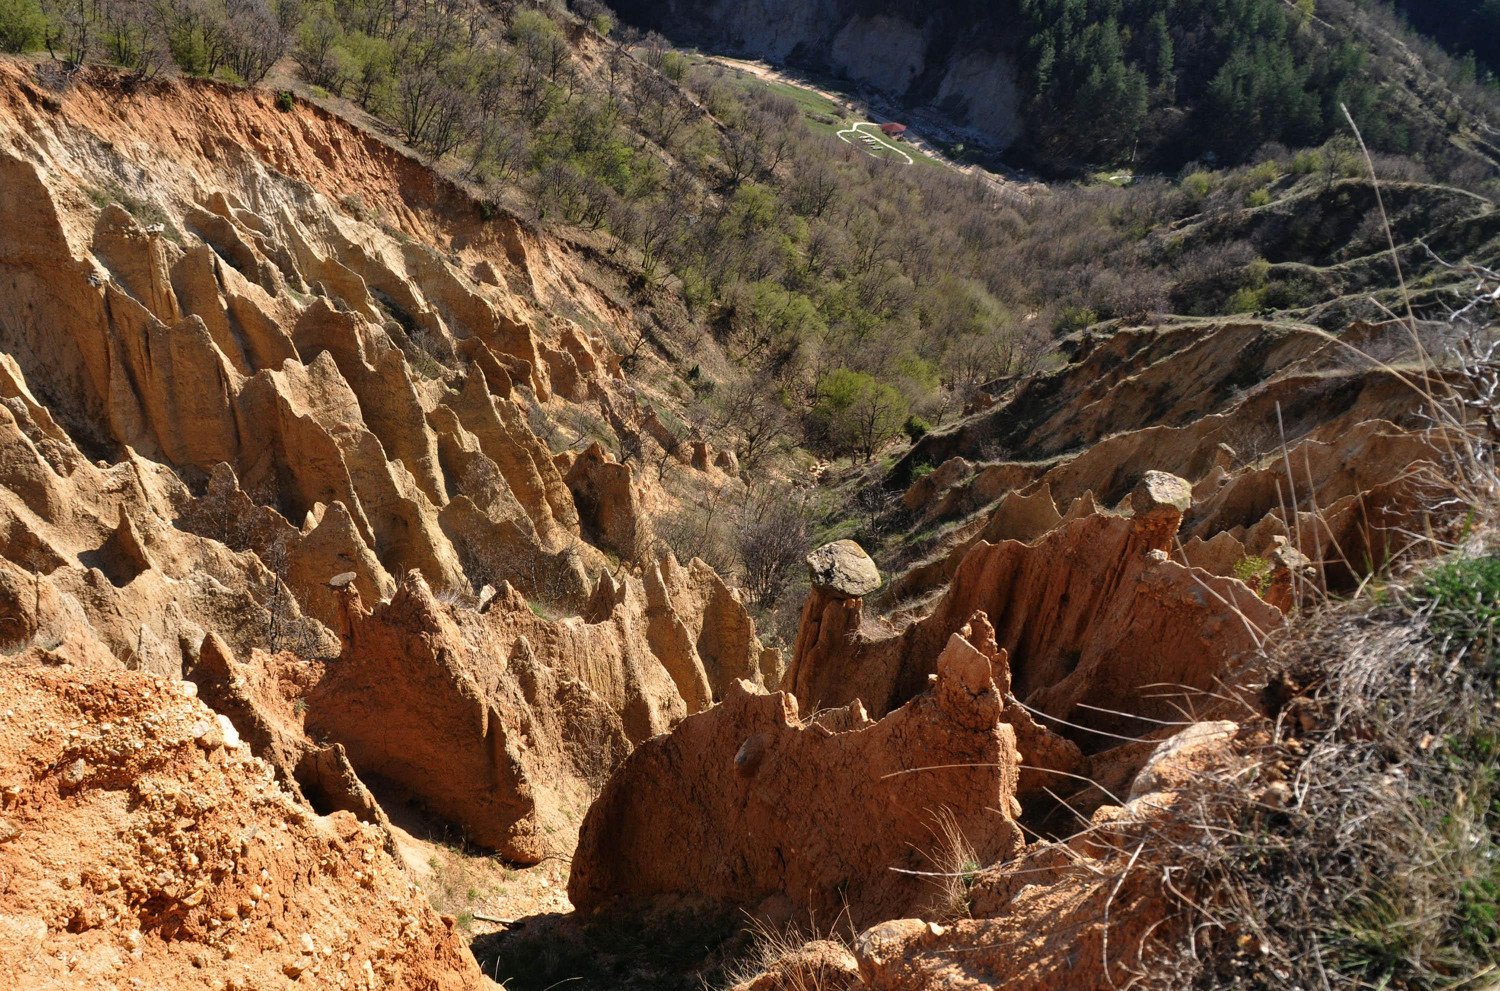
x=1100 y=624
x=751 y=804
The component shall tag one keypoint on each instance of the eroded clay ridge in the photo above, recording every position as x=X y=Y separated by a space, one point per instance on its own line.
x=1088 y=675
x=751 y=804
x=1094 y=614
x=1287 y=434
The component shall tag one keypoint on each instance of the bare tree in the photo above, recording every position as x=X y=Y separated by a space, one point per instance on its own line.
x=771 y=538
x=432 y=85
x=875 y=504
x=659 y=109
x=578 y=198
x=316 y=50
x=652 y=227
x=701 y=530
x=759 y=419
x=813 y=188
x=72 y=30
x=278 y=597
x=256 y=36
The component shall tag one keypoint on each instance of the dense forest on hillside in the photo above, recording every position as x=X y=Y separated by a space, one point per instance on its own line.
x=1152 y=84
x=1106 y=75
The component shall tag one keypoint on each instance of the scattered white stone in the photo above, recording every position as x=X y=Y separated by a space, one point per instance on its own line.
x=230 y=735
x=207 y=735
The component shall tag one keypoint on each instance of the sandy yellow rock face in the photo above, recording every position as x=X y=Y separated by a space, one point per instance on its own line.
x=215 y=405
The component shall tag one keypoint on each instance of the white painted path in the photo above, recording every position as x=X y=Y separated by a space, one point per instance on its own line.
x=871 y=140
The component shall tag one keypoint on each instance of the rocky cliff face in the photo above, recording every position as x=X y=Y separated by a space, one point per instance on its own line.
x=753 y=805
x=255 y=383
x=1112 y=615
x=282 y=539
x=1091 y=614
x=1288 y=437
x=272 y=396
x=947 y=62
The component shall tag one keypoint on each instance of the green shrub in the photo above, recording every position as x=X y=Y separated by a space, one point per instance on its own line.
x=1075 y=318
x=1198 y=184
x=1263 y=174
x=370 y=66
x=1462 y=602
x=147 y=213
x=1250 y=299
x=857 y=413
x=1254 y=572
x=543 y=611
x=1307 y=162
x=426 y=365
x=916 y=428
x=1258 y=198
x=285 y=101
x=189 y=49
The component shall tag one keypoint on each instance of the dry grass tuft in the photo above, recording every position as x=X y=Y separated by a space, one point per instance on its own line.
x=1363 y=850
x=1367 y=853
x=955 y=865
x=785 y=952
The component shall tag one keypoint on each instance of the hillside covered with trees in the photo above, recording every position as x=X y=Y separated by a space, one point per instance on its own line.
x=1464 y=27
x=1105 y=76
x=865 y=304
x=1156 y=84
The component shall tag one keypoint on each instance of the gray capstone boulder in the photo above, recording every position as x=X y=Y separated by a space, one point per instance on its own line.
x=843 y=569
x=1158 y=490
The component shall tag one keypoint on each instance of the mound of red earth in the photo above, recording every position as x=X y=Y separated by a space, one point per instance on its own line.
x=1089 y=911
x=750 y=804
x=143 y=845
